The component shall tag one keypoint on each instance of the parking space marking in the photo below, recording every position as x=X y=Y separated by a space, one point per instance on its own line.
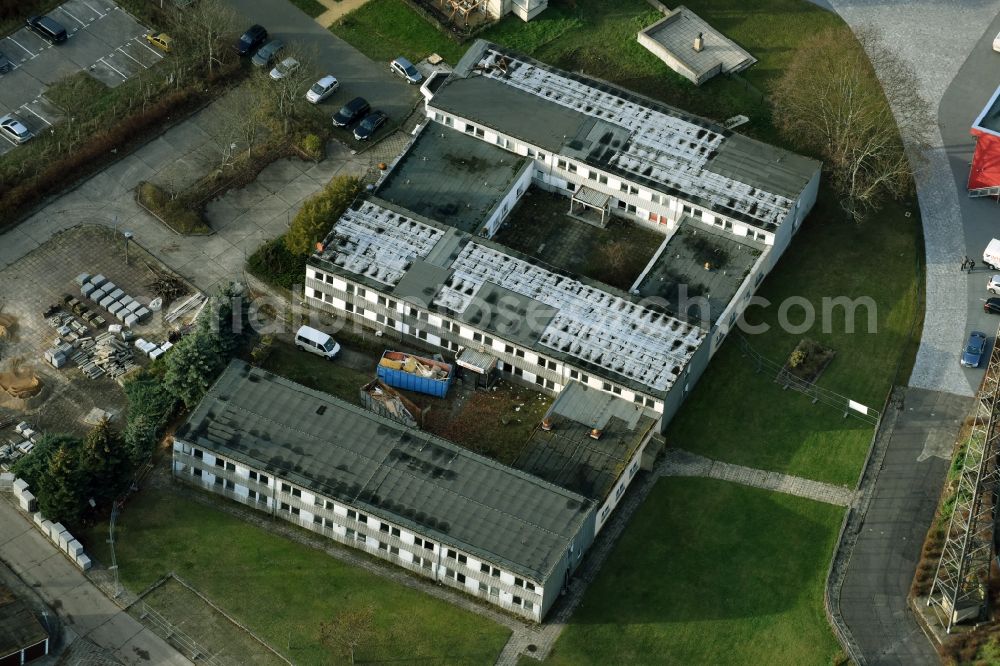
x=31 y=53
x=126 y=54
x=40 y=117
x=111 y=67
x=67 y=13
x=142 y=40
x=93 y=9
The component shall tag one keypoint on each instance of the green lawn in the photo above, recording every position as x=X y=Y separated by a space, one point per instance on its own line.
x=283 y=590
x=310 y=7
x=598 y=38
x=710 y=572
x=738 y=415
x=331 y=377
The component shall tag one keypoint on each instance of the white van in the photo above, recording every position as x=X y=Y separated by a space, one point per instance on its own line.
x=318 y=342
x=991 y=255
x=996 y=43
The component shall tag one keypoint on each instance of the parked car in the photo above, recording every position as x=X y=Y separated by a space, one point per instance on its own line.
x=313 y=340
x=14 y=129
x=161 y=41
x=367 y=127
x=404 y=68
x=322 y=89
x=974 y=349
x=251 y=40
x=5 y=64
x=47 y=28
x=993 y=286
x=268 y=53
x=996 y=43
x=284 y=68
x=991 y=306
x=356 y=108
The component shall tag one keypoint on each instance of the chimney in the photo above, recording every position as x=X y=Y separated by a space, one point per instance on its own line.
x=319 y=247
x=699 y=43
x=595 y=433
x=546 y=424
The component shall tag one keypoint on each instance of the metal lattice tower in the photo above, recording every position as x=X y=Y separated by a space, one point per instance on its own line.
x=961 y=582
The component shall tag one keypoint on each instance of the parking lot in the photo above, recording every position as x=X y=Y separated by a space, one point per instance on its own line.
x=103 y=40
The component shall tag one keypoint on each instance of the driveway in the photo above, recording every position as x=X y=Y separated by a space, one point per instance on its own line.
x=357 y=73
x=81 y=606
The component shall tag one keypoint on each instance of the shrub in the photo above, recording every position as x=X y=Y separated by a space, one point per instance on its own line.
x=312 y=146
x=275 y=265
x=319 y=212
x=179 y=213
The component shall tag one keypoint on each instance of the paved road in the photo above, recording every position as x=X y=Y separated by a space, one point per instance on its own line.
x=81 y=606
x=355 y=71
x=964 y=98
x=873 y=597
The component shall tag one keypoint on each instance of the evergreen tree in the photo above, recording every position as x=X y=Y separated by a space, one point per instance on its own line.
x=194 y=363
x=60 y=493
x=35 y=465
x=104 y=467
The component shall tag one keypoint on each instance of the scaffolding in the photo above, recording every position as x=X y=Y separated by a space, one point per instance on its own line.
x=961 y=582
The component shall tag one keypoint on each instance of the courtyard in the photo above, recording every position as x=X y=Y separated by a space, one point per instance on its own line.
x=540 y=227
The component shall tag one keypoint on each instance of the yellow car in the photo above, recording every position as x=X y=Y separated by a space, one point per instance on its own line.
x=161 y=41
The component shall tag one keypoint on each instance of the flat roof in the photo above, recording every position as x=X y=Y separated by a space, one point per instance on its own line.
x=403 y=475
x=624 y=133
x=566 y=317
x=451 y=177
x=19 y=628
x=679 y=276
x=568 y=456
x=989 y=118
x=676 y=33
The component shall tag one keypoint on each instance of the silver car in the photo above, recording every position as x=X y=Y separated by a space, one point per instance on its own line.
x=14 y=129
x=404 y=68
x=322 y=89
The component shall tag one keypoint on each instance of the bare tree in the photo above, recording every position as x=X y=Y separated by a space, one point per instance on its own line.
x=349 y=629
x=206 y=28
x=831 y=102
x=284 y=95
x=245 y=119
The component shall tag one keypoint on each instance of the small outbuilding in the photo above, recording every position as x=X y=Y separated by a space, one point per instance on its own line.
x=693 y=48
x=22 y=636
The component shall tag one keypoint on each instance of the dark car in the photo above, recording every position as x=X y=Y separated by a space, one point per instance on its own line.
x=991 y=306
x=47 y=28
x=5 y=64
x=974 y=348
x=268 y=54
x=356 y=108
x=367 y=127
x=251 y=40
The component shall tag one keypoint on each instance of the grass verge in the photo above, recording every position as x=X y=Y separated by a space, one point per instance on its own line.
x=309 y=370
x=385 y=29
x=309 y=7
x=782 y=430
x=283 y=590
x=710 y=572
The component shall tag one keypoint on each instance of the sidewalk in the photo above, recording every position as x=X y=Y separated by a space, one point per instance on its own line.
x=335 y=9
x=83 y=609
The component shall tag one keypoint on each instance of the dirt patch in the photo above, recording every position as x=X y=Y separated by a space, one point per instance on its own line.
x=20 y=381
x=807 y=361
x=8 y=326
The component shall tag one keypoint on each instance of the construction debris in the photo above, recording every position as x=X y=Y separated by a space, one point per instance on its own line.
x=108 y=354
x=187 y=310
x=166 y=286
x=378 y=397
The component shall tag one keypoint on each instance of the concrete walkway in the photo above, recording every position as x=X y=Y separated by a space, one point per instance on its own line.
x=337 y=9
x=83 y=609
x=683 y=463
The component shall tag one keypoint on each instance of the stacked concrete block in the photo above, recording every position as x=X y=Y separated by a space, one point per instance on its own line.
x=114 y=309
x=98 y=281
x=55 y=529
x=82 y=561
x=106 y=302
x=46 y=527
x=87 y=289
x=82 y=279
x=27 y=502
x=38 y=519
x=74 y=549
